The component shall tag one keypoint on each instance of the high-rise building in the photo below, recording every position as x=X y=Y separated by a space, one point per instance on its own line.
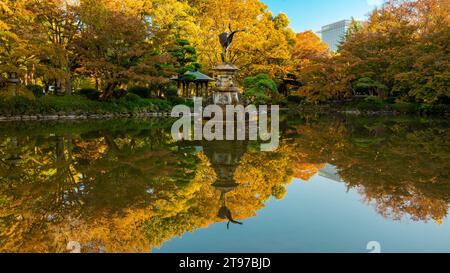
x=334 y=33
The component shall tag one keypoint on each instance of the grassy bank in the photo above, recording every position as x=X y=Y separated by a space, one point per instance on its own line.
x=78 y=105
x=370 y=105
x=134 y=104
x=375 y=104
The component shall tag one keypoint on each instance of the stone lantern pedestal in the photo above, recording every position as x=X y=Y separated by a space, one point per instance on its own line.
x=227 y=90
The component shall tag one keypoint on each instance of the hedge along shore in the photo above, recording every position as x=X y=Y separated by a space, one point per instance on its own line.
x=86 y=116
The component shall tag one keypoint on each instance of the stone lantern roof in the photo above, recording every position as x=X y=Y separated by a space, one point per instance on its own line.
x=226 y=67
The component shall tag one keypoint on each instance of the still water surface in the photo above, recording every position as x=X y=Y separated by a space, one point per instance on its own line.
x=334 y=185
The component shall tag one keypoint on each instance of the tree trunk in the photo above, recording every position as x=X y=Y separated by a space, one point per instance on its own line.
x=68 y=86
x=109 y=91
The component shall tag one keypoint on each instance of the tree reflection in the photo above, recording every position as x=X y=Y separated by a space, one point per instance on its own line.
x=400 y=165
x=129 y=187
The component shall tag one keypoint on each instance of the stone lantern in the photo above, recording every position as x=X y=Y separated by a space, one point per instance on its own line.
x=13 y=82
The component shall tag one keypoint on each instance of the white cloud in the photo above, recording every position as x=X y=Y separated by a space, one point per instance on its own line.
x=374 y=2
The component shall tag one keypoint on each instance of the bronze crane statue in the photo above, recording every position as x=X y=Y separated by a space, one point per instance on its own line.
x=226 y=40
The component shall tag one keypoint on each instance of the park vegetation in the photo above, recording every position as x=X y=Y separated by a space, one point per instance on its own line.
x=105 y=50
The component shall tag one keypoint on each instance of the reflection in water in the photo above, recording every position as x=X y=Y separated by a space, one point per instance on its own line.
x=225 y=157
x=126 y=186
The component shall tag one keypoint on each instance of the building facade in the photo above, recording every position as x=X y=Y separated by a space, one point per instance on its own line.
x=334 y=33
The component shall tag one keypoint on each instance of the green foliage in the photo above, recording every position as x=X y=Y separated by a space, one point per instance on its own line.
x=80 y=104
x=434 y=109
x=132 y=97
x=256 y=97
x=180 y=101
x=119 y=93
x=405 y=107
x=371 y=103
x=280 y=101
x=162 y=104
x=90 y=93
x=367 y=85
x=260 y=89
x=38 y=91
x=141 y=91
x=261 y=82
x=295 y=99
x=354 y=27
x=185 y=55
x=187 y=77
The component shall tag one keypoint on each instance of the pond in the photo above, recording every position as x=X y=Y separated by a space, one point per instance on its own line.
x=336 y=184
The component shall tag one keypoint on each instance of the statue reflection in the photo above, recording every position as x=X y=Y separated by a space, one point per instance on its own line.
x=225 y=158
x=224 y=212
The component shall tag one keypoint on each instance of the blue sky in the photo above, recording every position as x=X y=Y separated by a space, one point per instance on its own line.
x=313 y=14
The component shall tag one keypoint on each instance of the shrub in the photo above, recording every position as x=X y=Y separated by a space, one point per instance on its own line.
x=390 y=100
x=79 y=104
x=281 y=102
x=142 y=92
x=38 y=91
x=262 y=82
x=73 y=104
x=132 y=97
x=17 y=105
x=371 y=103
x=443 y=100
x=171 y=93
x=438 y=109
x=405 y=107
x=161 y=104
x=367 y=85
x=295 y=99
x=374 y=100
x=90 y=93
x=255 y=96
x=260 y=89
x=177 y=100
x=119 y=93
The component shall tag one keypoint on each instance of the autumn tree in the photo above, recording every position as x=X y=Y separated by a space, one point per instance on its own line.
x=309 y=48
x=119 y=46
x=17 y=50
x=316 y=68
x=354 y=27
x=263 y=47
x=174 y=17
x=400 y=51
x=402 y=47
x=58 y=20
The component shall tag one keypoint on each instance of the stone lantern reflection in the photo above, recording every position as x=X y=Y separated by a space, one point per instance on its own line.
x=15 y=158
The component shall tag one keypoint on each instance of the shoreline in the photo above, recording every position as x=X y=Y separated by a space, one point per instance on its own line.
x=108 y=116
x=87 y=116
